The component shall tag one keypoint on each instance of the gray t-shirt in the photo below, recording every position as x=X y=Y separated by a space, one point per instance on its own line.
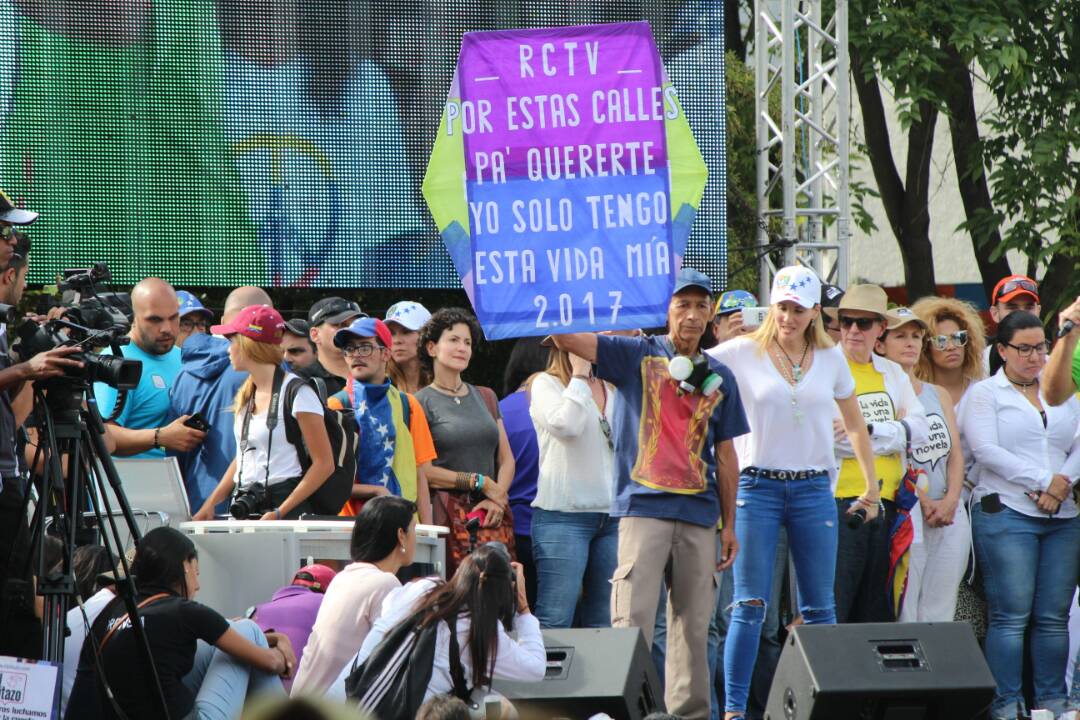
x=465 y=434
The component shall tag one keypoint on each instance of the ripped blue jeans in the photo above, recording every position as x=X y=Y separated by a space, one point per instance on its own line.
x=807 y=510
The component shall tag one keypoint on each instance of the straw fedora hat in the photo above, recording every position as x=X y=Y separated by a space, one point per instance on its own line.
x=868 y=298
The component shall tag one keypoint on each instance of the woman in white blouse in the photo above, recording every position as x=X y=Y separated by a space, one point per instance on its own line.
x=1023 y=517
x=575 y=542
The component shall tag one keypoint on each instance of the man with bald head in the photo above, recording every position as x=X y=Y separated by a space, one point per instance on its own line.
x=207 y=384
x=143 y=429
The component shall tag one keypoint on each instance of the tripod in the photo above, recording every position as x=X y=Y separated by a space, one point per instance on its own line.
x=76 y=471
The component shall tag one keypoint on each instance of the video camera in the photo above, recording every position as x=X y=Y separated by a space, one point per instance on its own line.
x=98 y=321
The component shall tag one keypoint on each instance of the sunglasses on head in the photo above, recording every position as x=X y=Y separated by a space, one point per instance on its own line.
x=863 y=323
x=1018 y=284
x=941 y=342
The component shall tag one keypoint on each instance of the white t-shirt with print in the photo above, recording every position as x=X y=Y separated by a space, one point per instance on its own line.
x=284 y=462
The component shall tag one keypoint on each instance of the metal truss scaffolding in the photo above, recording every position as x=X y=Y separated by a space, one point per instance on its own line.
x=802 y=141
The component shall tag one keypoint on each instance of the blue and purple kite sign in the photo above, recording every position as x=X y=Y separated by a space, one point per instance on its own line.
x=564 y=179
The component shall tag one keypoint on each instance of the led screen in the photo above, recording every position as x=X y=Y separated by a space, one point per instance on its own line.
x=276 y=142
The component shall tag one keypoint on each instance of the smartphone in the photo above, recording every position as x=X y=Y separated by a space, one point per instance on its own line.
x=991 y=503
x=753 y=317
x=198 y=422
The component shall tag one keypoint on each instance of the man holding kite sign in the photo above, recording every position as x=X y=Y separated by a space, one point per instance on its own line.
x=676 y=412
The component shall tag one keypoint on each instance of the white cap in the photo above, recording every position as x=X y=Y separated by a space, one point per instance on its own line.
x=408 y=314
x=796 y=284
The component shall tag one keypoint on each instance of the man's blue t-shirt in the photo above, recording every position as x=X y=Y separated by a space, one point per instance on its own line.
x=147 y=406
x=664 y=438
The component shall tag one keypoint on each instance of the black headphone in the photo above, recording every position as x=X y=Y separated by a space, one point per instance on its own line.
x=694 y=375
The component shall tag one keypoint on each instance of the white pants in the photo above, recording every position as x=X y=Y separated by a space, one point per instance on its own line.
x=936 y=569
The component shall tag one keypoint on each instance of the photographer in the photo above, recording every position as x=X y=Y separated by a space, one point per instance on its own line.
x=142 y=429
x=21 y=636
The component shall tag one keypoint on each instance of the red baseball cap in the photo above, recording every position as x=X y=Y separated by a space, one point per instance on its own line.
x=317 y=577
x=261 y=323
x=1014 y=286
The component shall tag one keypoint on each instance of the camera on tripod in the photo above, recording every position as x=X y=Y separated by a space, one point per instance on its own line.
x=98 y=321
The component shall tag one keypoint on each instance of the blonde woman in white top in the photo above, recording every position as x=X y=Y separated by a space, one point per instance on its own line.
x=575 y=541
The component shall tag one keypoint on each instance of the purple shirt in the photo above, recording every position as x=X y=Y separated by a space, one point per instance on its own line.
x=522 y=436
x=291 y=611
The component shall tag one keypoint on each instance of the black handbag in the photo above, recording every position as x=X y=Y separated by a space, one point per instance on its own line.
x=391 y=683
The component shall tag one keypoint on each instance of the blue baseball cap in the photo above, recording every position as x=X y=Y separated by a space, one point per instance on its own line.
x=734 y=300
x=365 y=327
x=690 y=278
x=190 y=304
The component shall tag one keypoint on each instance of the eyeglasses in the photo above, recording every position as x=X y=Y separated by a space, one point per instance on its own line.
x=957 y=339
x=7 y=232
x=299 y=350
x=363 y=350
x=863 y=323
x=1025 y=351
x=189 y=324
x=1018 y=284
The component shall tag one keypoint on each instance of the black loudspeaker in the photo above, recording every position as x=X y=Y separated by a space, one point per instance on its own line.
x=881 y=671
x=590 y=671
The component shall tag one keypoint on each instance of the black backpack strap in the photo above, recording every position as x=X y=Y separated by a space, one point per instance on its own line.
x=320 y=387
x=292 y=428
x=457 y=672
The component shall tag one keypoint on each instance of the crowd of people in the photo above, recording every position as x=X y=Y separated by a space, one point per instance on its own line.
x=713 y=483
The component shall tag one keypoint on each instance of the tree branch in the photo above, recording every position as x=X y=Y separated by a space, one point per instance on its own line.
x=876 y=132
x=970 y=173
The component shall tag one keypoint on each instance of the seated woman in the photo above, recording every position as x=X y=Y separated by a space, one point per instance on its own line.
x=487 y=598
x=383 y=541
x=206 y=665
x=1024 y=519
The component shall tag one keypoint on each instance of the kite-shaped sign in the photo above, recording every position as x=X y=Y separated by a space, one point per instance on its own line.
x=564 y=179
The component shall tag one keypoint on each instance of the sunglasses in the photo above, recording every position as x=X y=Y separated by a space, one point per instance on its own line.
x=957 y=339
x=862 y=323
x=1018 y=284
x=605 y=427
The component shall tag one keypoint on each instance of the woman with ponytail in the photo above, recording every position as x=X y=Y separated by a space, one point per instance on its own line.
x=267 y=467
x=485 y=601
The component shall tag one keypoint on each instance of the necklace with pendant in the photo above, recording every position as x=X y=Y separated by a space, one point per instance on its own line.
x=796 y=367
x=453 y=392
x=793 y=377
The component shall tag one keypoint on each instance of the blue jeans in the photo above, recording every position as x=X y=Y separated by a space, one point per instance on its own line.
x=221 y=683
x=718 y=630
x=575 y=555
x=1029 y=567
x=806 y=508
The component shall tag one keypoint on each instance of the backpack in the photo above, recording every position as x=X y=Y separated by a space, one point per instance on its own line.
x=392 y=682
x=344 y=441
